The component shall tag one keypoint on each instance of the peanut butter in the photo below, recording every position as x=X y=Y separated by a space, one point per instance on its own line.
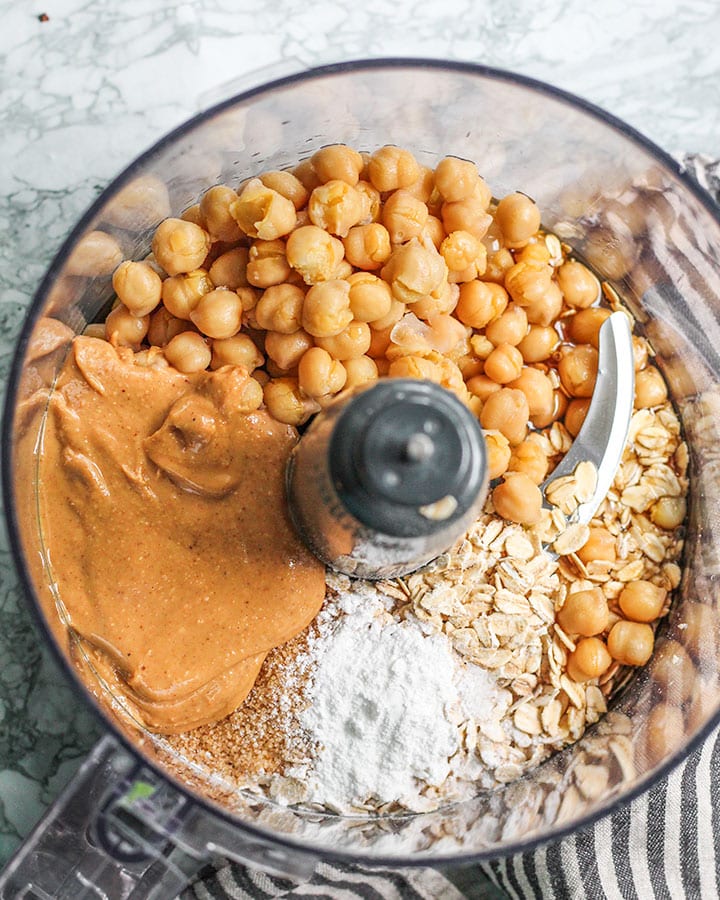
x=164 y=517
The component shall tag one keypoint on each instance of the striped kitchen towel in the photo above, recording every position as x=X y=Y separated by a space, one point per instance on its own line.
x=665 y=845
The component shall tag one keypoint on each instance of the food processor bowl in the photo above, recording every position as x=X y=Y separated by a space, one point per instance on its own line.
x=642 y=224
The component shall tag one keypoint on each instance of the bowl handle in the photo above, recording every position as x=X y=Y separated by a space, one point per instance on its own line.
x=120 y=830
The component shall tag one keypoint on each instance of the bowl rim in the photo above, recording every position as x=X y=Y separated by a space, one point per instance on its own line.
x=263 y=835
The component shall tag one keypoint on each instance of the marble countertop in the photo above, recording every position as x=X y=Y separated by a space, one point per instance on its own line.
x=88 y=85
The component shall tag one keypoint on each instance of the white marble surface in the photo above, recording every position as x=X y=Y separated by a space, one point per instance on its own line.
x=84 y=92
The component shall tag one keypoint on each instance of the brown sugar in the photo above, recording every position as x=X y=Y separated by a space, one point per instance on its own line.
x=263 y=736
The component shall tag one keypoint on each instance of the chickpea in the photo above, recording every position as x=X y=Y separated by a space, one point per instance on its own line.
x=499 y=264
x=336 y=207
x=326 y=311
x=319 y=374
x=673 y=670
x=579 y=286
x=664 y=732
x=138 y=286
x=192 y=214
x=267 y=264
x=554 y=413
x=379 y=343
x=480 y=302
x=352 y=342
x=668 y=512
x=589 y=659
x=600 y=545
x=518 y=499
x=288 y=185
x=640 y=352
x=229 y=269
x=314 y=253
x=424 y=187
x=507 y=411
x=546 y=309
x=188 y=352
x=447 y=335
x=534 y=252
x=481 y=386
x=123 y=329
x=518 y=217
x=390 y=168
x=650 y=388
x=466 y=215
x=504 y=364
x=528 y=457
x=238 y=350
x=578 y=370
x=152 y=358
x=631 y=643
x=370 y=297
x=361 y=370
x=182 y=293
x=164 y=326
x=338 y=162
x=180 y=246
x=642 y=601
x=344 y=270
x=575 y=415
x=471 y=365
x=285 y=403
x=433 y=231
x=215 y=213
x=413 y=272
x=498 y=453
x=286 y=350
x=538 y=344
x=461 y=251
x=584 y=327
x=439 y=302
x=371 y=202
x=585 y=613
x=415 y=367
x=262 y=212
x=95 y=330
x=306 y=175
x=456 y=179
x=248 y=298
x=218 y=314
x=538 y=390
x=280 y=308
x=508 y=328
x=481 y=346
x=395 y=313
x=404 y=216
x=367 y=246
x=528 y=282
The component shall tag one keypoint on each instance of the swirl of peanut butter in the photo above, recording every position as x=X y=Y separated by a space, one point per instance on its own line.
x=164 y=514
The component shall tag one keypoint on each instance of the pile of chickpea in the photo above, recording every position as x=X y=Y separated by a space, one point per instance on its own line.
x=355 y=266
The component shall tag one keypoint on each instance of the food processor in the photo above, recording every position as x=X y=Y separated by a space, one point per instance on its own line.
x=138 y=820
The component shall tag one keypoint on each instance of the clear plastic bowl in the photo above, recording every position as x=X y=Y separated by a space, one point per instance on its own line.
x=602 y=187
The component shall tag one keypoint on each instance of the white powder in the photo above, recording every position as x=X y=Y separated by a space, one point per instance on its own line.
x=384 y=706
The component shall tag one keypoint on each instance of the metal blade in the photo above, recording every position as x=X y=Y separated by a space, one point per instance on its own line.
x=601 y=440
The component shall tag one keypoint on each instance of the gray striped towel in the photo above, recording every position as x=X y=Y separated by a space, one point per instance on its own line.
x=665 y=845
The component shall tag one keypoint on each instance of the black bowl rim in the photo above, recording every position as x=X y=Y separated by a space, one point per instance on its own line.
x=319 y=851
